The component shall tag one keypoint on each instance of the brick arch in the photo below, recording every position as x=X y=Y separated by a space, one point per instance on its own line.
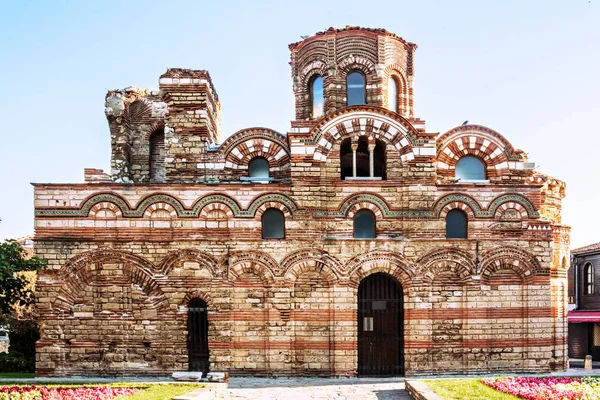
x=488 y=145
x=388 y=262
x=372 y=201
x=166 y=200
x=240 y=155
x=303 y=260
x=461 y=201
x=395 y=131
x=246 y=134
x=442 y=260
x=315 y=67
x=189 y=296
x=361 y=64
x=216 y=200
x=279 y=201
x=105 y=205
x=160 y=206
x=76 y=275
x=256 y=262
x=155 y=127
x=524 y=264
x=397 y=71
x=216 y=206
x=512 y=200
x=178 y=256
x=89 y=203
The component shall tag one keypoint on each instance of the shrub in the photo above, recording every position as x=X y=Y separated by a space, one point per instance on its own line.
x=16 y=362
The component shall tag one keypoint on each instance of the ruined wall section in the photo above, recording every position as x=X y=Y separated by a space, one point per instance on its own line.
x=192 y=123
x=133 y=115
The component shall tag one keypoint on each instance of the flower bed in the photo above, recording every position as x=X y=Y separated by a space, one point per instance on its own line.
x=62 y=393
x=585 y=388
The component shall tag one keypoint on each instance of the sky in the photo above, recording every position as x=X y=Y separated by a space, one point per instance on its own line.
x=528 y=69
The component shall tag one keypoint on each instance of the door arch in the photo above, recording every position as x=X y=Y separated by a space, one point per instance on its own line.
x=197 y=338
x=380 y=326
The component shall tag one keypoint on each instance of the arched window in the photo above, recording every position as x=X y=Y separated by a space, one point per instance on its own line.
x=157 y=156
x=393 y=94
x=317 y=98
x=364 y=224
x=258 y=167
x=363 y=159
x=456 y=224
x=588 y=279
x=273 y=224
x=470 y=168
x=355 y=89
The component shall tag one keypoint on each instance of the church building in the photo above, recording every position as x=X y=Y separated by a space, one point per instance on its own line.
x=357 y=243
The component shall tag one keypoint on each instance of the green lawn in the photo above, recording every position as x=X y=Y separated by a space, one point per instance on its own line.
x=460 y=389
x=160 y=391
x=16 y=375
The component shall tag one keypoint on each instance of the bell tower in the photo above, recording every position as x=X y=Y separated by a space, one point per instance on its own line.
x=352 y=66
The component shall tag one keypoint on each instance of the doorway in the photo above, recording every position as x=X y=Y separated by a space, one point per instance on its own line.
x=197 y=339
x=380 y=326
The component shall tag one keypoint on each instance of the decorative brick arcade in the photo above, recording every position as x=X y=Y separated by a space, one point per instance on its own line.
x=180 y=219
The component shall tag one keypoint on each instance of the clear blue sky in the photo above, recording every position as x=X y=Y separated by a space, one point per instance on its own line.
x=528 y=69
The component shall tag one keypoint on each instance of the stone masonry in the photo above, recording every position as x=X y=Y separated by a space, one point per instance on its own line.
x=177 y=219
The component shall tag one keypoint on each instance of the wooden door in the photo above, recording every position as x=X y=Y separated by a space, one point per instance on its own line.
x=380 y=326
x=197 y=339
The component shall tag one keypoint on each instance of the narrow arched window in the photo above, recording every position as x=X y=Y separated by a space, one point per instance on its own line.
x=317 y=98
x=588 y=279
x=364 y=224
x=470 y=168
x=157 y=156
x=273 y=224
x=258 y=167
x=355 y=89
x=393 y=94
x=456 y=224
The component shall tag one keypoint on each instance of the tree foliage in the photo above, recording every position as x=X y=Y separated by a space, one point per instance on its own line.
x=15 y=287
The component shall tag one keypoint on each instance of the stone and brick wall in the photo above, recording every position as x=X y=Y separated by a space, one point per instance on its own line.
x=126 y=259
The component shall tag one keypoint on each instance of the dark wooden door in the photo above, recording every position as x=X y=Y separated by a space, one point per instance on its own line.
x=380 y=326
x=197 y=339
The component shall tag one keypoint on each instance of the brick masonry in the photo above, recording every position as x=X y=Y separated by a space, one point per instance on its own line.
x=127 y=253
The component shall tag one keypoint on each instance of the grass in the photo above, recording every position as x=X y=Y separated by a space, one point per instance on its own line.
x=16 y=375
x=160 y=391
x=468 y=388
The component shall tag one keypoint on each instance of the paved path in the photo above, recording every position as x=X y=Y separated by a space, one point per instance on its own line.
x=315 y=389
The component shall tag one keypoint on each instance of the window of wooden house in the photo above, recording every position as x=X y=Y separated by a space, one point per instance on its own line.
x=588 y=279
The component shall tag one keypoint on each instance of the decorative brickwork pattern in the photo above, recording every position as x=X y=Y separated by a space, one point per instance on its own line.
x=128 y=253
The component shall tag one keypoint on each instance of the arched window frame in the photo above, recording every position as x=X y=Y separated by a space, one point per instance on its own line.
x=373 y=228
x=314 y=114
x=588 y=279
x=258 y=179
x=364 y=100
x=452 y=212
x=462 y=179
x=393 y=78
x=263 y=222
